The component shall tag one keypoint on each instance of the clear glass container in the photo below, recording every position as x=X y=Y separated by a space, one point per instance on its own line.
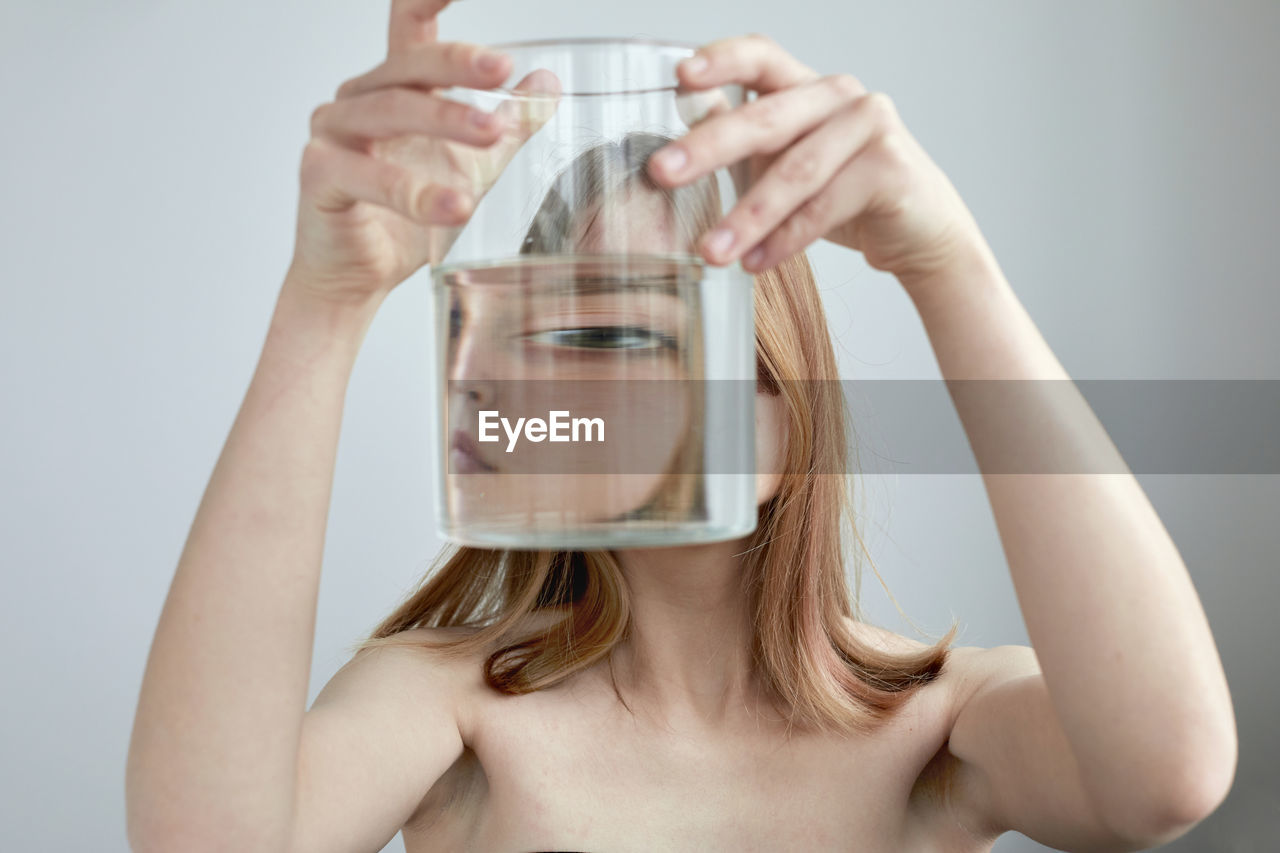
x=594 y=377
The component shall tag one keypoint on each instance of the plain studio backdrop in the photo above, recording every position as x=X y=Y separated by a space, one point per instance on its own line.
x=1119 y=157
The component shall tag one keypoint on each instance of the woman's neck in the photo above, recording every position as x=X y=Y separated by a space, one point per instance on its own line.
x=688 y=655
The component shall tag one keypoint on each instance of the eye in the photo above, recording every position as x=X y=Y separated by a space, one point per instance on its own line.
x=605 y=338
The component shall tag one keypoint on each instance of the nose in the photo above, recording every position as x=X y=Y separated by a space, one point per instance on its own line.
x=474 y=367
x=479 y=392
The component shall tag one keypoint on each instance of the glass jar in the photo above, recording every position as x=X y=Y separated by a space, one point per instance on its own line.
x=594 y=377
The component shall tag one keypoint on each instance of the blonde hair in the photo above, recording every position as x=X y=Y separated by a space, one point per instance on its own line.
x=804 y=651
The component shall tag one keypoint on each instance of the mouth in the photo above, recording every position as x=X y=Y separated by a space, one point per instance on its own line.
x=464 y=455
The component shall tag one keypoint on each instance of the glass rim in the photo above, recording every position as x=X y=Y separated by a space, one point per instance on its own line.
x=576 y=259
x=573 y=41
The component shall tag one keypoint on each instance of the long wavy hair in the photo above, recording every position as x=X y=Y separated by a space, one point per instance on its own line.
x=804 y=650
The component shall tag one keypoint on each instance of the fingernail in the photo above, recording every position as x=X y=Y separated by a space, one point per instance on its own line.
x=480 y=118
x=719 y=241
x=488 y=61
x=448 y=203
x=694 y=65
x=672 y=159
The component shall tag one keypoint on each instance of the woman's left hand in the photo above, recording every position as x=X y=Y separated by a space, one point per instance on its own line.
x=828 y=159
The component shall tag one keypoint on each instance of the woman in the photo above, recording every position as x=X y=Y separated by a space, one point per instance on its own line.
x=759 y=713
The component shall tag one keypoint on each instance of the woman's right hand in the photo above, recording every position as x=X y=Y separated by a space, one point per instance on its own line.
x=393 y=170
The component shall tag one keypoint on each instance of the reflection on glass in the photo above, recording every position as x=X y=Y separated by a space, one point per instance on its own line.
x=611 y=340
x=574 y=400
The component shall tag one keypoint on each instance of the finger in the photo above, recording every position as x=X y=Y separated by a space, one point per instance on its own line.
x=336 y=179
x=354 y=121
x=767 y=124
x=412 y=24
x=432 y=65
x=756 y=61
x=854 y=189
x=797 y=175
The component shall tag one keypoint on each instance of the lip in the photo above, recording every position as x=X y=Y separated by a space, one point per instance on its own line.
x=464 y=455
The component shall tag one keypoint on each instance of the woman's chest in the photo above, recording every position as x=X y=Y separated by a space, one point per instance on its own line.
x=549 y=772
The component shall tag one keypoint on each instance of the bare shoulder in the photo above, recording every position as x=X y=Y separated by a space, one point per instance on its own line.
x=967 y=667
x=975 y=666
x=942 y=792
x=411 y=664
x=894 y=643
x=966 y=671
x=378 y=736
x=456 y=673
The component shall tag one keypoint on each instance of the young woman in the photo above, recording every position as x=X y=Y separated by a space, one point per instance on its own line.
x=717 y=697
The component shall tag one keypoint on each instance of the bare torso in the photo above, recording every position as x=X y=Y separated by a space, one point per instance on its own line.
x=571 y=769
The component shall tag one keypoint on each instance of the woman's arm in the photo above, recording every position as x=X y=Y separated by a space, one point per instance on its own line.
x=1139 y=738
x=214 y=755
x=1132 y=710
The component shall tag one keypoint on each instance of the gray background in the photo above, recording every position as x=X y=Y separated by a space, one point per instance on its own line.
x=1118 y=156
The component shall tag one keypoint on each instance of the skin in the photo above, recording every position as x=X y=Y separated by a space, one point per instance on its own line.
x=1113 y=731
x=506 y=349
x=569 y=769
x=510 y=353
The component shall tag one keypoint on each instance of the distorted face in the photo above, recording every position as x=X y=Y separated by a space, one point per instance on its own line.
x=574 y=335
x=646 y=225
